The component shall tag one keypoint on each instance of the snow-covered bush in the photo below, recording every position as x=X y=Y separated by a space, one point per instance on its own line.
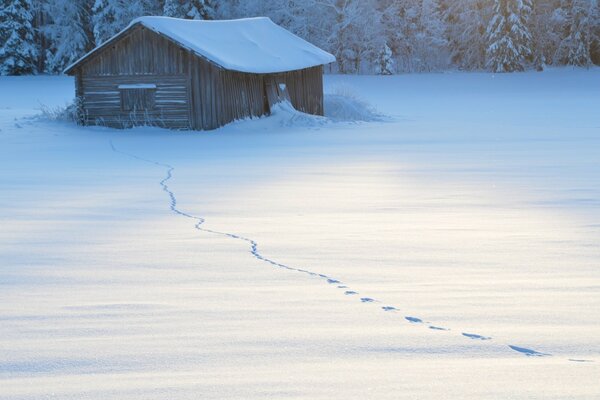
x=67 y=113
x=343 y=104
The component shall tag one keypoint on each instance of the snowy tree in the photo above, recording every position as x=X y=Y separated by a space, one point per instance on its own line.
x=385 y=63
x=17 y=52
x=400 y=21
x=509 y=38
x=430 y=48
x=172 y=8
x=576 y=47
x=190 y=9
x=545 y=32
x=349 y=29
x=373 y=36
x=69 y=31
x=355 y=35
x=595 y=28
x=105 y=20
x=111 y=16
x=40 y=42
x=465 y=23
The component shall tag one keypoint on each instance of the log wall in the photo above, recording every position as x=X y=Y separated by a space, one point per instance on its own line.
x=101 y=101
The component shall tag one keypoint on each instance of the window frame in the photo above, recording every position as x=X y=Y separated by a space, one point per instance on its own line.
x=137 y=97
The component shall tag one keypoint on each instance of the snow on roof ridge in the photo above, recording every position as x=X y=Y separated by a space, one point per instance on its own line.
x=202 y=21
x=253 y=45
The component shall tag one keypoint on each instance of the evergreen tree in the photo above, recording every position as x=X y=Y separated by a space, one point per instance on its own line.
x=69 y=31
x=104 y=20
x=18 y=53
x=350 y=29
x=111 y=16
x=431 y=44
x=385 y=62
x=595 y=28
x=189 y=9
x=40 y=41
x=509 y=38
x=576 y=47
x=381 y=36
x=201 y=9
x=466 y=22
x=172 y=8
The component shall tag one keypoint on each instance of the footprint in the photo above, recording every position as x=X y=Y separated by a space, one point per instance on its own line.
x=333 y=281
x=475 y=336
x=367 y=300
x=342 y=287
x=527 y=352
x=414 y=320
x=350 y=292
x=438 y=328
x=580 y=361
x=389 y=308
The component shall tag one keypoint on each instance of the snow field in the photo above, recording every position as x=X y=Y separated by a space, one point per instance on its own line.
x=469 y=211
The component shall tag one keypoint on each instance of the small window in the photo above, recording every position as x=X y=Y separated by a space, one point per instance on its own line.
x=137 y=97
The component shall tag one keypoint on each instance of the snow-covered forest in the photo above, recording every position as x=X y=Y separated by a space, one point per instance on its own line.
x=366 y=36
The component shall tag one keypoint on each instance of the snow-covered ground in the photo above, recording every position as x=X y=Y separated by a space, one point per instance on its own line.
x=127 y=267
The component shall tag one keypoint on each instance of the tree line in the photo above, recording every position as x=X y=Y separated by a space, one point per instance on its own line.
x=366 y=36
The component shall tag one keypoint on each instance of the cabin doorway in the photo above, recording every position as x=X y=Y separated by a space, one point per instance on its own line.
x=276 y=91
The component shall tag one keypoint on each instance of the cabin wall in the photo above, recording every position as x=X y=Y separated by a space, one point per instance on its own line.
x=102 y=101
x=140 y=57
x=221 y=96
x=305 y=88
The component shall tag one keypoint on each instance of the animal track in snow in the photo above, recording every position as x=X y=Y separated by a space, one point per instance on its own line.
x=438 y=328
x=200 y=220
x=527 y=352
x=256 y=254
x=475 y=336
x=367 y=300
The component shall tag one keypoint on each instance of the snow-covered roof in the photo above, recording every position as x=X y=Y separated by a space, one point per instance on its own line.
x=254 y=45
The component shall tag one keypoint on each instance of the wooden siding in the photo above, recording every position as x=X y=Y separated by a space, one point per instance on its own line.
x=305 y=88
x=140 y=56
x=102 y=101
x=140 y=52
x=220 y=96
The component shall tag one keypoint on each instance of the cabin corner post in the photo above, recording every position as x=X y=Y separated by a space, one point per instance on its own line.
x=190 y=88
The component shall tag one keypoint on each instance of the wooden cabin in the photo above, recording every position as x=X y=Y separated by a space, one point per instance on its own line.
x=191 y=74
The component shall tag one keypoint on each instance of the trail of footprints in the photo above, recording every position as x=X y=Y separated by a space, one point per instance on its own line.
x=334 y=282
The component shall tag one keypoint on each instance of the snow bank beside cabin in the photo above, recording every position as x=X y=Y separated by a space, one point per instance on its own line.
x=340 y=107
